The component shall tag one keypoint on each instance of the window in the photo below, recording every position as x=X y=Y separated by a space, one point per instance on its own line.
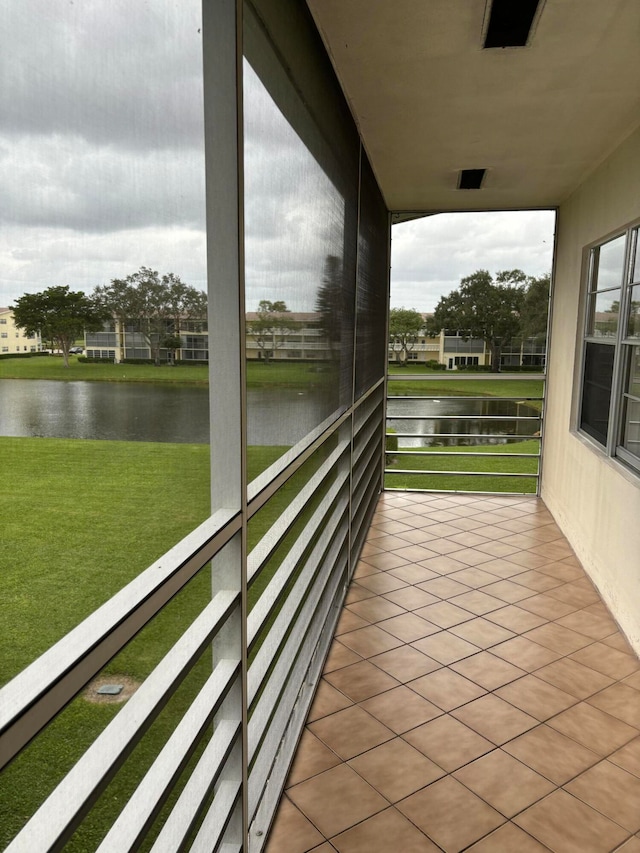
x=4 y=334
x=3 y=321
x=610 y=403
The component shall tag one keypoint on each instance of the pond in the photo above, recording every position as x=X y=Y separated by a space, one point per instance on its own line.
x=122 y=411
x=445 y=419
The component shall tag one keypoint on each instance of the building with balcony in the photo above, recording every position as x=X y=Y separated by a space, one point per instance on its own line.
x=13 y=339
x=356 y=115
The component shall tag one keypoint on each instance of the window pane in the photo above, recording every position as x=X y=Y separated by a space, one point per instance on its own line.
x=604 y=313
x=596 y=392
x=631 y=412
x=633 y=326
x=636 y=266
x=610 y=264
x=300 y=249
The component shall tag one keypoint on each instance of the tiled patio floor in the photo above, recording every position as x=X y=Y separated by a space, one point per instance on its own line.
x=477 y=695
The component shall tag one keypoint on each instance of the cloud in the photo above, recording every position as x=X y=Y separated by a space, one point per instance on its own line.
x=429 y=256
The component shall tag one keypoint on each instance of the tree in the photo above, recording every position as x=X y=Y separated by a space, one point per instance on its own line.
x=482 y=308
x=60 y=315
x=405 y=326
x=330 y=303
x=153 y=305
x=271 y=327
x=535 y=307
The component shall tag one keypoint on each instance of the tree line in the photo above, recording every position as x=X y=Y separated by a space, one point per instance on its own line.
x=153 y=305
x=511 y=306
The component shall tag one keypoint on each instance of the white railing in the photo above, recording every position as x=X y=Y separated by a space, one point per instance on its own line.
x=215 y=781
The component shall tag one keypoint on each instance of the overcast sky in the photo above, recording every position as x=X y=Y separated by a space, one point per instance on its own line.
x=429 y=256
x=102 y=169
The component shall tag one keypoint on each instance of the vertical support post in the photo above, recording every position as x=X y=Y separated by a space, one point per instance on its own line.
x=222 y=57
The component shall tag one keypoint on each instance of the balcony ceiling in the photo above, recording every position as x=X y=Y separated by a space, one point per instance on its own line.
x=429 y=100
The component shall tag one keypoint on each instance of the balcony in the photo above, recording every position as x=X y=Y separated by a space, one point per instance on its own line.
x=477 y=695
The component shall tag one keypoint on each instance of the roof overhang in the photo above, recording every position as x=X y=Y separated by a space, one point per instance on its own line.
x=430 y=100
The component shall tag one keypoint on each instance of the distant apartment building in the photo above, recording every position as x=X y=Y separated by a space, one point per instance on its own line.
x=118 y=341
x=13 y=339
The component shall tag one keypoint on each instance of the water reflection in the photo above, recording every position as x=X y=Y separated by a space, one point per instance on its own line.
x=445 y=419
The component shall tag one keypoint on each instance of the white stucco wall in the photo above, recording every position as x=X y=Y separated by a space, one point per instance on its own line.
x=594 y=499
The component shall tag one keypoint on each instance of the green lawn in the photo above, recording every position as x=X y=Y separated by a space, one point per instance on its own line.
x=259 y=375
x=81 y=519
x=453 y=478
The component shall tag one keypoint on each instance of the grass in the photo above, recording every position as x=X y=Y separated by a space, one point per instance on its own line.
x=259 y=375
x=94 y=515
x=453 y=468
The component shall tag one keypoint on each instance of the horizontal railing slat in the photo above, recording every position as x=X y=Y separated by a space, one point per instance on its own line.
x=61 y=813
x=31 y=700
x=145 y=803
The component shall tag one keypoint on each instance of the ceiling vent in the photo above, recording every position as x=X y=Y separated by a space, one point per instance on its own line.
x=471 y=179
x=510 y=22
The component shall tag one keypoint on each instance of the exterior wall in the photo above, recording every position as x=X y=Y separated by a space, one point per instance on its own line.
x=13 y=339
x=596 y=500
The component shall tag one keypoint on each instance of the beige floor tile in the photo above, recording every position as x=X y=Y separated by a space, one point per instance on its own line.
x=621 y=701
x=562 y=571
x=401 y=709
x=445 y=647
x=386 y=831
x=558 y=638
x=594 y=729
x=416 y=537
x=503 y=569
x=444 y=614
x=630 y=846
x=408 y=627
x=436 y=810
x=292 y=831
x=508 y=839
x=469 y=539
x=446 y=689
x=538 y=581
x=327 y=701
x=567 y=825
x=612 y=791
x=444 y=587
x=340 y=656
x=412 y=574
x=487 y=670
x=383 y=581
x=443 y=565
x=575 y=595
x=590 y=624
x=349 y=621
x=528 y=560
x=443 y=546
x=414 y=553
x=405 y=663
x=375 y=609
x=350 y=732
x=551 y=754
x=360 y=680
x=357 y=593
x=536 y=697
x=362 y=570
x=628 y=757
x=494 y=719
x=606 y=660
x=395 y=769
x=542 y=605
x=633 y=680
x=312 y=757
x=481 y=633
x=410 y=597
x=619 y=641
x=477 y=602
x=473 y=556
x=448 y=742
x=515 y=619
x=487 y=777
x=369 y=641
x=525 y=653
x=574 y=678
x=508 y=591
x=473 y=577
x=336 y=800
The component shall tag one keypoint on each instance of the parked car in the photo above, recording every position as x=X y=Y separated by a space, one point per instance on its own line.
x=76 y=350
